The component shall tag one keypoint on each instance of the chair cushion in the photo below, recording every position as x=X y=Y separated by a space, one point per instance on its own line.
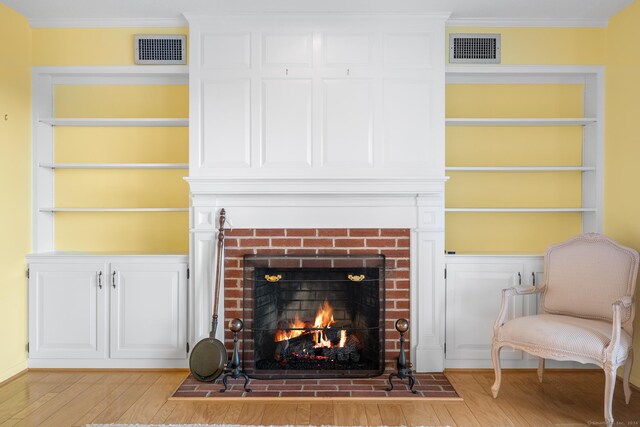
x=565 y=336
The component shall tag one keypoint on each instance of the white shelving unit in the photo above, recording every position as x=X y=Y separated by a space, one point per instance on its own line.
x=520 y=121
x=114 y=165
x=120 y=122
x=44 y=165
x=592 y=123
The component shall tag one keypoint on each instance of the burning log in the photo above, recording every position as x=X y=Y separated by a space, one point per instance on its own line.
x=304 y=347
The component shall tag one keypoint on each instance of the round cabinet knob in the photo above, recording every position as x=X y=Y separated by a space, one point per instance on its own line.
x=235 y=325
x=402 y=325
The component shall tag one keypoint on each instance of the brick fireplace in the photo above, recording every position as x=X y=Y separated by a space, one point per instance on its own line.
x=400 y=218
x=394 y=243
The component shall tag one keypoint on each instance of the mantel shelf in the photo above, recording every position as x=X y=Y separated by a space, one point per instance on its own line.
x=117 y=122
x=519 y=168
x=114 y=165
x=520 y=210
x=582 y=121
x=114 y=209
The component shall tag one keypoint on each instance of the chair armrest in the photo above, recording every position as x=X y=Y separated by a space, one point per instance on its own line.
x=504 y=305
x=617 y=306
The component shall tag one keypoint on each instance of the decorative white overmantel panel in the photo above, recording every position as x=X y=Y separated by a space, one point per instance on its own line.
x=325 y=120
x=322 y=95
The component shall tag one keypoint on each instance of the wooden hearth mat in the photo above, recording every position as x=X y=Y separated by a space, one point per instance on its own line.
x=434 y=386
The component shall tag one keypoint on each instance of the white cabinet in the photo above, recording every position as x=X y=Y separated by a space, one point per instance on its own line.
x=67 y=307
x=107 y=311
x=473 y=298
x=148 y=310
x=357 y=97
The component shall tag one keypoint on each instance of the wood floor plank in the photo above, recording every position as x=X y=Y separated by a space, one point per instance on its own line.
x=209 y=413
x=164 y=412
x=443 y=414
x=123 y=402
x=279 y=414
x=85 y=401
x=121 y=385
x=373 y=414
x=31 y=392
x=181 y=414
x=480 y=402
x=303 y=414
x=251 y=413
x=419 y=413
x=321 y=414
x=146 y=407
x=30 y=417
x=462 y=415
x=349 y=414
x=486 y=380
x=391 y=414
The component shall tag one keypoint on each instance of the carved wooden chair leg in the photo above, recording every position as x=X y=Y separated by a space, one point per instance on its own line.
x=495 y=356
x=609 y=386
x=540 y=368
x=628 y=364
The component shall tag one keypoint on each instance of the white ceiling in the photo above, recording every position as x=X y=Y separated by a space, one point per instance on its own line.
x=99 y=13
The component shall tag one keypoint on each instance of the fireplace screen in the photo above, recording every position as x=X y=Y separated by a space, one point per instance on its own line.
x=313 y=316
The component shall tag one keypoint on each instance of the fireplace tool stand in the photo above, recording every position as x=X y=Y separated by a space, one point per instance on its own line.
x=233 y=367
x=402 y=326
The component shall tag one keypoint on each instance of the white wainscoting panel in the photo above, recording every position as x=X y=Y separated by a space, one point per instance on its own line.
x=347 y=49
x=348 y=123
x=286 y=123
x=226 y=50
x=287 y=49
x=226 y=124
x=407 y=124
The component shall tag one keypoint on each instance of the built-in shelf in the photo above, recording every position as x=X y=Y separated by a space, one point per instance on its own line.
x=117 y=122
x=114 y=165
x=519 y=168
x=114 y=209
x=582 y=121
x=520 y=210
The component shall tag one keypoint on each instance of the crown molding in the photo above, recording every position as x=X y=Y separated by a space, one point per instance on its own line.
x=108 y=23
x=506 y=22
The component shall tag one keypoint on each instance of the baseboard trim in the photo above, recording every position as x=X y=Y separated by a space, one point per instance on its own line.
x=108 y=369
x=14 y=377
x=485 y=370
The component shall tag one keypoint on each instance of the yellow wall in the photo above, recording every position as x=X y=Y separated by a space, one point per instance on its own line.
x=89 y=46
x=15 y=182
x=543 y=46
x=622 y=147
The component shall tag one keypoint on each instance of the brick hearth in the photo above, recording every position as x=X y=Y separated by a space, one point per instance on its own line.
x=432 y=385
x=393 y=243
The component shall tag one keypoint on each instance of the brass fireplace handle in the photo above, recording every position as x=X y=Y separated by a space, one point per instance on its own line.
x=273 y=279
x=354 y=278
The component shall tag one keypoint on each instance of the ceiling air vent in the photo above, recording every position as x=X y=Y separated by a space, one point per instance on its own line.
x=474 y=48
x=160 y=49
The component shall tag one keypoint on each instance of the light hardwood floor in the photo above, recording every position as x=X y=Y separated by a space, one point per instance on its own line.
x=75 y=398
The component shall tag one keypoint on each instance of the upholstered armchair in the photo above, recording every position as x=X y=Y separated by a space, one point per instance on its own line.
x=587 y=311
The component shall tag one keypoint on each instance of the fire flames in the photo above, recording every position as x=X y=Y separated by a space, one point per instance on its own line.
x=323 y=320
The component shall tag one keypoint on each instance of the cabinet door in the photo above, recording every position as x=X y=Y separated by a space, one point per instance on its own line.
x=473 y=302
x=534 y=272
x=148 y=310
x=67 y=310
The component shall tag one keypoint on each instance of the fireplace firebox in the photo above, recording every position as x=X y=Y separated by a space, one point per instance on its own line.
x=320 y=316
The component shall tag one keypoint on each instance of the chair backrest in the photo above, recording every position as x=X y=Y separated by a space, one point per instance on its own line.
x=585 y=275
